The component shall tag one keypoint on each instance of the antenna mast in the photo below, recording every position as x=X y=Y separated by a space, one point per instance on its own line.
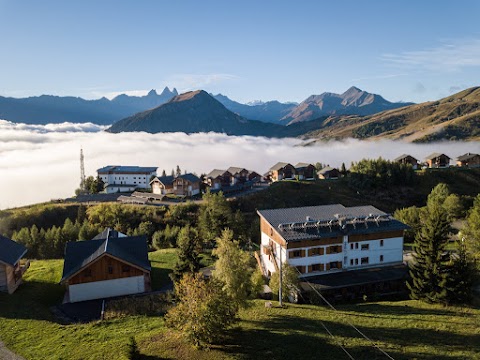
x=82 y=171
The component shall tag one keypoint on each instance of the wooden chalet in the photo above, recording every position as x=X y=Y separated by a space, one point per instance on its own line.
x=239 y=175
x=328 y=173
x=108 y=265
x=407 y=159
x=305 y=171
x=218 y=179
x=437 y=160
x=186 y=185
x=469 y=160
x=162 y=185
x=282 y=171
x=11 y=270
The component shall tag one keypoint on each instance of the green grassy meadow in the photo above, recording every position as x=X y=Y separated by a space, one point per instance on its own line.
x=405 y=329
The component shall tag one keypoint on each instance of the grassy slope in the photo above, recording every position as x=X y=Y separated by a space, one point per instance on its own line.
x=454 y=117
x=407 y=329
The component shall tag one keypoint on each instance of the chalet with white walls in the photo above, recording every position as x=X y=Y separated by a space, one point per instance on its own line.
x=321 y=240
x=11 y=270
x=282 y=171
x=162 y=185
x=109 y=265
x=126 y=178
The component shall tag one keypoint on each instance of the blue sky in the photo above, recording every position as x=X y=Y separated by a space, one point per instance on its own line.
x=247 y=50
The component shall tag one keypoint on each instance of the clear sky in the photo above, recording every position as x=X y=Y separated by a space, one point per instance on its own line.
x=247 y=50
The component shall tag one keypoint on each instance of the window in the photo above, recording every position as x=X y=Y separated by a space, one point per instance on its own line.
x=295 y=253
x=301 y=269
x=125 y=268
x=110 y=269
x=381 y=258
x=356 y=245
x=351 y=246
x=381 y=242
x=365 y=246
x=356 y=261
x=335 y=249
x=364 y=261
x=316 y=251
x=333 y=265
x=351 y=261
x=316 y=267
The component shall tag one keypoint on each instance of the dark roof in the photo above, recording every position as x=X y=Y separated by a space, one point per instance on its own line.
x=216 y=173
x=109 y=233
x=326 y=170
x=357 y=277
x=117 y=169
x=301 y=165
x=11 y=251
x=314 y=222
x=435 y=155
x=467 y=156
x=189 y=177
x=79 y=254
x=165 y=180
x=279 y=166
x=235 y=170
x=404 y=156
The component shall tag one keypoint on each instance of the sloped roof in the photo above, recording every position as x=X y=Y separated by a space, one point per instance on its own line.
x=404 y=156
x=279 y=166
x=235 y=170
x=324 y=213
x=109 y=233
x=189 y=177
x=467 y=156
x=435 y=155
x=165 y=180
x=216 y=173
x=79 y=254
x=11 y=251
x=301 y=165
x=325 y=170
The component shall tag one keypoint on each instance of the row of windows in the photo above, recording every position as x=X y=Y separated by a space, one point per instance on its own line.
x=363 y=261
x=330 y=249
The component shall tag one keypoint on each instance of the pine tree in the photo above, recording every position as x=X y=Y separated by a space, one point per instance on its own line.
x=460 y=276
x=343 y=169
x=188 y=253
x=428 y=271
x=179 y=171
x=164 y=173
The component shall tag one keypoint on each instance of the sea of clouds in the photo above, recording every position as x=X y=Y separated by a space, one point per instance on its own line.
x=42 y=162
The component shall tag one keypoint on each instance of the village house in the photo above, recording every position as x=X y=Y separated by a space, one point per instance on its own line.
x=11 y=271
x=437 y=160
x=320 y=241
x=186 y=185
x=328 y=173
x=126 y=178
x=282 y=171
x=239 y=175
x=407 y=159
x=162 y=185
x=305 y=171
x=469 y=160
x=109 y=265
x=218 y=179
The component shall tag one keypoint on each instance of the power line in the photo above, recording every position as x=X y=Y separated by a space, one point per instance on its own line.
x=348 y=322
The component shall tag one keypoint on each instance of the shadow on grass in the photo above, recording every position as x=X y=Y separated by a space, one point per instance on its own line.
x=32 y=300
x=289 y=337
x=160 y=278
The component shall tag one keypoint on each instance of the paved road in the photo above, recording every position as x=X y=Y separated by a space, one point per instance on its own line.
x=6 y=354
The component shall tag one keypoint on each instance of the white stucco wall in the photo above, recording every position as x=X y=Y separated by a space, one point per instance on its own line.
x=106 y=288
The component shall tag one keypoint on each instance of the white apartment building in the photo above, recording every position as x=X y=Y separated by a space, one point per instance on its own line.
x=126 y=178
x=320 y=240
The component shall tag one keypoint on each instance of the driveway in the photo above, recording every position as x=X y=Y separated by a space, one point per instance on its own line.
x=6 y=354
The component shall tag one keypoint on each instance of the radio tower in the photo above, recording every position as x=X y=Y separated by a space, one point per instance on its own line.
x=82 y=171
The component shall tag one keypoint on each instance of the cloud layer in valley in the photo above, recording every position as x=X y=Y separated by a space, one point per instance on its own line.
x=39 y=163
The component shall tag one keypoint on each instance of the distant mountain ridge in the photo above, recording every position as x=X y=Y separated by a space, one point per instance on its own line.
x=198 y=111
x=352 y=102
x=57 y=109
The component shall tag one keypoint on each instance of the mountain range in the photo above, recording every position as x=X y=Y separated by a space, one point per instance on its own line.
x=46 y=109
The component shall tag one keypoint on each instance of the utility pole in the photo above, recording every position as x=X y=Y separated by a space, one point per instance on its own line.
x=281 y=275
x=82 y=171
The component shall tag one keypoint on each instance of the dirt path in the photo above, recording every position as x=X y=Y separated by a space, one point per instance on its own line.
x=6 y=354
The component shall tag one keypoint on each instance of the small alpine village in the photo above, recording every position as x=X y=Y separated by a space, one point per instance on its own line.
x=376 y=261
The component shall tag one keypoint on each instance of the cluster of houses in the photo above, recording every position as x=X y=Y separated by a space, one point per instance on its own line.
x=331 y=246
x=439 y=160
